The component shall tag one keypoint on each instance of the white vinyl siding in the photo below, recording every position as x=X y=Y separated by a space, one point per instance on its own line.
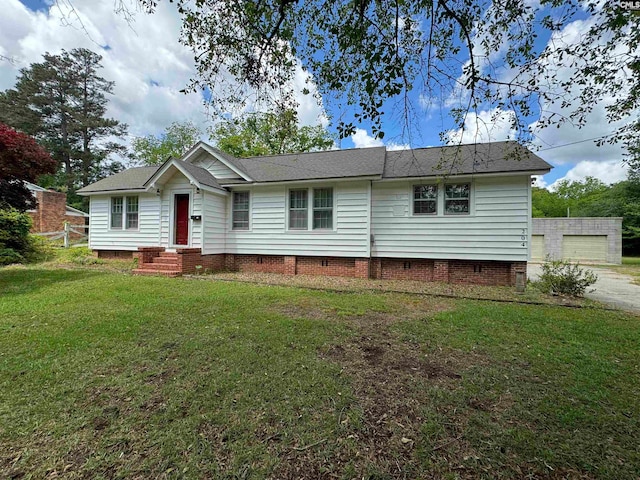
x=214 y=221
x=496 y=228
x=103 y=237
x=270 y=234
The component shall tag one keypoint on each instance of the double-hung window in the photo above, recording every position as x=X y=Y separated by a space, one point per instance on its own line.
x=299 y=209
x=456 y=199
x=425 y=199
x=240 y=212
x=124 y=213
x=322 y=208
x=315 y=204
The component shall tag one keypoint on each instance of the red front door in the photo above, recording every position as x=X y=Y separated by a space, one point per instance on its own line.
x=182 y=219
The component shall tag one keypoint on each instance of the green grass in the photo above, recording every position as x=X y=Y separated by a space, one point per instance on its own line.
x=630 y=266
x=631 y=261
x=104 y=375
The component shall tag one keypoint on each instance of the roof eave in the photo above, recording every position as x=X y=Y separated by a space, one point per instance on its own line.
x=306 y=180
x=112 y=190
x=470 y=174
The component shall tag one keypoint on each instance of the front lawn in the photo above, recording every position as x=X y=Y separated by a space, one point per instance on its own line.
x=104 y=375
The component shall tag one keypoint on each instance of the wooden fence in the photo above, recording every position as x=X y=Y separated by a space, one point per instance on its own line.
x=71 y=235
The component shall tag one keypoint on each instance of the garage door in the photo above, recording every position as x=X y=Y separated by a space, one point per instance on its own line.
x=591 y=248
x=537 y=248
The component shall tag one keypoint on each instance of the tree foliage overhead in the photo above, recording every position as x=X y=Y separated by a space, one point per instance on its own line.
x=479 y=52
x=177 y=139
x=270 y=133
x=21 y=160
x=62 y=103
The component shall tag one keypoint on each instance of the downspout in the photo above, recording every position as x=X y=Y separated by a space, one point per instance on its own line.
x=369 y=208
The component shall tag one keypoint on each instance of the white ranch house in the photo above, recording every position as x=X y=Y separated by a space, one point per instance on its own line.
x=454 y=214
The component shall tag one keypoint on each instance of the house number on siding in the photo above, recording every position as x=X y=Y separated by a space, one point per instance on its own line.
x=523 y=237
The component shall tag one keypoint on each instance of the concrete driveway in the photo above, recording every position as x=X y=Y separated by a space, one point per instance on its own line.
x=614 y=289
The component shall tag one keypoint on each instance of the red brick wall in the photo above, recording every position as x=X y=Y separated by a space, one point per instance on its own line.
x=50 y=213
x=406 y=269
x=115 y=254
x=190 y=258
x=331 y=266
x=257 y=263
x=480 y=272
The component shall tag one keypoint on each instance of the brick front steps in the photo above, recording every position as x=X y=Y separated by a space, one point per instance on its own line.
x=155 y=261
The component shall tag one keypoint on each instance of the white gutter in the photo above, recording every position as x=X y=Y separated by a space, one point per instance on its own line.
x=466 y=175
x=312 y=180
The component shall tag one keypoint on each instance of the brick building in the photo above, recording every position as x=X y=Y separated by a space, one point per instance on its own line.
x=52 y=211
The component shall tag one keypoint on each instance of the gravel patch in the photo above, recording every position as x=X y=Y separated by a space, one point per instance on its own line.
x=347 y=284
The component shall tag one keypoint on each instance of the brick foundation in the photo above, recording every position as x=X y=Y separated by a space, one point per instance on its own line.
x=472 y=272
x=406 y=269
x=112 y=254
x=185 y=260
x=256 y=263
x=330 y=266
x=480 y=273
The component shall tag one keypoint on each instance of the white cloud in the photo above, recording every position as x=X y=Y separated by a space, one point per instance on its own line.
x=607 y=171
x=397 y=146
x=568 y=143
x=485 y=126
x=144 y=58
x=362 y=139
x=539 y=181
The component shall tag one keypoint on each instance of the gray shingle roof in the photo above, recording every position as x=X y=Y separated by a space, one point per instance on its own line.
x=308 y=166
x=496 y=157
x=201 y=175
x=130 y=179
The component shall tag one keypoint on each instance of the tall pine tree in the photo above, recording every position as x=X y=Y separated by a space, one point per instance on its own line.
x=62 y=102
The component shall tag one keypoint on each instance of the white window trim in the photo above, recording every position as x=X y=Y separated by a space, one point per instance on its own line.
x=413 y=202
x=288 y=209
x=231 y=211
x=310 y=229
x=172 y=216
x=123 y=227
x=444 y=199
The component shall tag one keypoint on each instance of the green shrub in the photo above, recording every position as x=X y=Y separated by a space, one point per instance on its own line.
x=560 y=277
x=14 y=230
x=78 y=255
x=40 y=249
x=9 y=256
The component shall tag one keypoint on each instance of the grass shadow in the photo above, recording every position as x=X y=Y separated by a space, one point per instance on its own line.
x=21 y=280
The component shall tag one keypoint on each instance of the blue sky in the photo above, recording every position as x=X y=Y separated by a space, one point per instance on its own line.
x=149 y=67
